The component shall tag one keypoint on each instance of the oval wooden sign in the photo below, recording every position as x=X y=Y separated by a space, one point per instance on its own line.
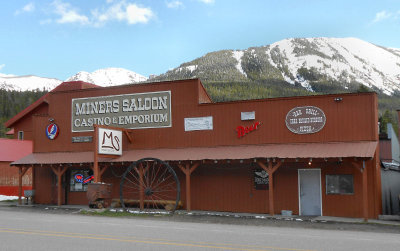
x=305 y=120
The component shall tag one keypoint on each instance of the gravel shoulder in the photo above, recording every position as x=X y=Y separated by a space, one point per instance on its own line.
x=218 y=218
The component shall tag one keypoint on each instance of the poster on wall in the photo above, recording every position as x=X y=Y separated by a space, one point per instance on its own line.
x=129 y=111
x=199 y=123
x=261 y=179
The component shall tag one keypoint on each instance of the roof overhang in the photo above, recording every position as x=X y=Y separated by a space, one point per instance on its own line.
x=362 y=149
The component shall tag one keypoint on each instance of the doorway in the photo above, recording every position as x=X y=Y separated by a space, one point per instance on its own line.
x=310 y=192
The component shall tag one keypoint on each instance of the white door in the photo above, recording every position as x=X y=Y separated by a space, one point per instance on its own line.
x=310 y=192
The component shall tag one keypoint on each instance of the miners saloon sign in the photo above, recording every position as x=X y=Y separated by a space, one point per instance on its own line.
x=305 y=120
x=130 y=111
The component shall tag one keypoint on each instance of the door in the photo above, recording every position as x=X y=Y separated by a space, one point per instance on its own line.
x=310 y=192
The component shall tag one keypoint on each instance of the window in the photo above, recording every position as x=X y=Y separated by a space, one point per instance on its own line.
x=21 y=135
x=80 y=179
x=339 y=184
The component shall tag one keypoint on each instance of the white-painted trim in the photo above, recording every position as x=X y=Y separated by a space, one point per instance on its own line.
x=320 y=186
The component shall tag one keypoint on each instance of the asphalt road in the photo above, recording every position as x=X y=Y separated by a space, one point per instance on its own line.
x=45 y=230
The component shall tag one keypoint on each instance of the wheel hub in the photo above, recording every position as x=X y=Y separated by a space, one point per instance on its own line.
x=148 y=191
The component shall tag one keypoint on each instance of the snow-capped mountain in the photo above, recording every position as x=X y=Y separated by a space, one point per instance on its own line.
x=108 y=77
x=307 y=62
x=27 y=83
x=102 y=77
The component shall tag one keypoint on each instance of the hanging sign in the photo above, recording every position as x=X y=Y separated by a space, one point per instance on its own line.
x=129 y=111
x=305 y=120
x=261 y=179
x=109 y=141
x=52 y=131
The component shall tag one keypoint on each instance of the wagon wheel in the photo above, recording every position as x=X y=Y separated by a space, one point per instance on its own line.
x=150 y=184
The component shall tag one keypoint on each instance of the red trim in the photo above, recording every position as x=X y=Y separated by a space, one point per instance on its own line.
x=12 y=190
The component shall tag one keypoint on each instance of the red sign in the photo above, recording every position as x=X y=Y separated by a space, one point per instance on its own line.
x=243 y=130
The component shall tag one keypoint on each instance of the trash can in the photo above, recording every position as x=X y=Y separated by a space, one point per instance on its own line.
x=99 y=195
x=29 y=194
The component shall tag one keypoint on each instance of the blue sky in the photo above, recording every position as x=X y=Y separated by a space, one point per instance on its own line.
x=60 y=38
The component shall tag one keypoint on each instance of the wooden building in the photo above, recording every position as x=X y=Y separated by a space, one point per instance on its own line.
x=12 y=150
x=314 y=155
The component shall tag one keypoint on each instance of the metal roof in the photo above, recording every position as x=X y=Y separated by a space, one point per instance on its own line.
x=360 y=149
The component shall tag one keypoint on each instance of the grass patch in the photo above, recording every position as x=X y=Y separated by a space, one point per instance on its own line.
x=9 y=200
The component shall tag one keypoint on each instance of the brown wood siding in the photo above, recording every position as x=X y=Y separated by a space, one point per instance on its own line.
x=44 y=186
x=25 y=124
x=348 y=120
x=223 y=186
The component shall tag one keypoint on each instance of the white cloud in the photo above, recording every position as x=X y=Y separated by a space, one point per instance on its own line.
x=123 y=11
x=30 y=7
x=68 y=14
x=174 y=4
x=381 y=16
x=207 y=1
x=2 y=66
x=114 y=10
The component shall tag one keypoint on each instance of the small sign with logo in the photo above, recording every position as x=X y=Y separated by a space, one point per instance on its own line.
x=261 y=179
x=109 y=141
x=52 y=131
x=305 y=120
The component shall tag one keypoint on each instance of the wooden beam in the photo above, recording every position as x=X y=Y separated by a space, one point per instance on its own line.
x=19 y=185
x=365 y=192
x=270 y=169
x=188 y=170
x=96 y=171
x=21 y=172
x=363 y=170
x=141 y=187
x=128 y=136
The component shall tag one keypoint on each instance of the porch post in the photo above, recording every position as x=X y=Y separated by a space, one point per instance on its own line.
x=188 y=170
x=141 y=190
x=96 y=171
x=59 y=172
x=19 y=185
x=364 y=184
x=365 y=191
x=21 y=172
x=270 y=170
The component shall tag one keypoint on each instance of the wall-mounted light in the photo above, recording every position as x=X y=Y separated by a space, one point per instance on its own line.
x=338 y=99
x=51 y=119
x=310 y=162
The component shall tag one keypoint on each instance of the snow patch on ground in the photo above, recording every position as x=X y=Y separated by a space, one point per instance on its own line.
x=5 y=197
x=238 y=56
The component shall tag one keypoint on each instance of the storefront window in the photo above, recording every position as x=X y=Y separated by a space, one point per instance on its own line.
x=80 y=179
x=339 y=184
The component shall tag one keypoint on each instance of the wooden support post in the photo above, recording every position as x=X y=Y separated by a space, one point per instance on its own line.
x=188 y=170
x=365 y=192
x=364 y=183
x=141 y=187
x=59 y=172
x=21 y=172
x=19 y=185
x=270 y=170
x=96 y=171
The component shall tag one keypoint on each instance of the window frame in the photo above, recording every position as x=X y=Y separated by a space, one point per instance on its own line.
x=339 y=184
x=20 y=135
